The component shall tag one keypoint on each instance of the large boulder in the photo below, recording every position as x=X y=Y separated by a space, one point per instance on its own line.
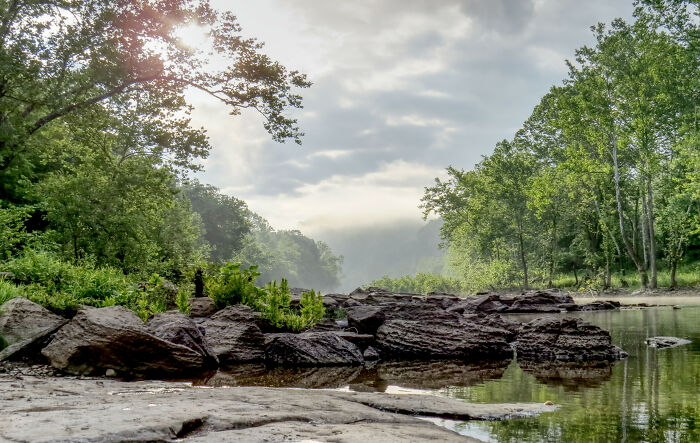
x=567 y=339
x=177 y=328
x=509 y=328
x=115 y=338
x=365 y=319
x=311 y=349
x=202 y=307
x=234 y=335
x=431 y=339
x=24 y=323
x=486 y=303
x=21 y=319
x=541 y=301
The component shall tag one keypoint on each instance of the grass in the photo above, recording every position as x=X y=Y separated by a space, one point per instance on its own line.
x=686 y=276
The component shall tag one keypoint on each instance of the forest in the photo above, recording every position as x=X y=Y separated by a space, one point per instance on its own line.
x=601 y=185
x=98 y=153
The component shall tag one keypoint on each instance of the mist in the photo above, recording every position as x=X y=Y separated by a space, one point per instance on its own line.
x=396 y=249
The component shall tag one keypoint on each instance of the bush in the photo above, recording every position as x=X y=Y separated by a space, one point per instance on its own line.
x=8 y=291
x=233 y=285
x=421 y=283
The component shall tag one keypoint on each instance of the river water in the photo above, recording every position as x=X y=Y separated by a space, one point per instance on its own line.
x=653 y=395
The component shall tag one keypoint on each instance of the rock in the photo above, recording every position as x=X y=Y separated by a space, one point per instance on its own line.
x=60 y=409
x=21 y=319
x=540 y=301
x=114 y=337
x=177 y=328
x=487 y=303
x=25 y=327
x=509 y=328
x=604 y=305
x=370 y=354
x=311 y=349
x=365 y=319
x=234 y=336
x=110 y=373
x=202 y=307
x=567 y=339
x=362 y=341
x=428 y=339
x=666 y=342
x=322 y=377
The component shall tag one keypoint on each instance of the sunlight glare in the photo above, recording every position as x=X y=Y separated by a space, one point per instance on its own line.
x=193 y=36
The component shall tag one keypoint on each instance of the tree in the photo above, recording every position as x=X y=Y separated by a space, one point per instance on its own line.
x=225 y=219
x=60 y=59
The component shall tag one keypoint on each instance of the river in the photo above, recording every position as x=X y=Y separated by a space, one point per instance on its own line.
x=653 y=395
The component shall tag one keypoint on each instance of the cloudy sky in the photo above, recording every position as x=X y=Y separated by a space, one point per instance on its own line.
x=402 y=89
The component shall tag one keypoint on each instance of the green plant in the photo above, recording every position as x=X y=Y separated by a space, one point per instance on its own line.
x=312 y=310
x=9 y=291
x=183 y=301
x=233 y=285
x=274 y=303
x=147 y=299
x=3 y=343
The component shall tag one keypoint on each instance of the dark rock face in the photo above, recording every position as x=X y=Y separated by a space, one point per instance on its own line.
x=568 y=339
x=234 y=336
x=202 y=307
x=115 y=338
x=488 y=303
x=604 y=305
x=508 y=327
x=362 y=341
x=666 y=342
x=365 y=319
x=21 y=319
x=434 y=339
x=179 y=329
x=311 y=349
x=371 y=354
x=540 y=301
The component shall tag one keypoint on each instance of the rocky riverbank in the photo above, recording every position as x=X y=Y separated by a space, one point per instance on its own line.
x=71 y=409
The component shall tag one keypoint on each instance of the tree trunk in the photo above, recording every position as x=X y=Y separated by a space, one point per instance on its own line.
x=674 y=265
x=652 y=235
x=522 y=259
x=620 y=216
x=576 y=276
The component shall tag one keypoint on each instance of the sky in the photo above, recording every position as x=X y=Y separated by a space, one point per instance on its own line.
x=402 y=89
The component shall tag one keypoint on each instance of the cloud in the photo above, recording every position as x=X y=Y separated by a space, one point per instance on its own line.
x=402 y=89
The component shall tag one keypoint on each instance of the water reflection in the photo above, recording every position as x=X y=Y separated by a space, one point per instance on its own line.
x=425 y=375
x=572 y=376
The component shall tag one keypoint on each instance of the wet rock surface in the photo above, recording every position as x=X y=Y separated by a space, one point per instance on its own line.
x=69 y=409
x=440 y=339
x=311 y=349
x=177 y=328
x=115 y=338
x=565 y=339
x=234 y=335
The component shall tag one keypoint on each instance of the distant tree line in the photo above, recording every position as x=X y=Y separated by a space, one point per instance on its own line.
x=603 y=177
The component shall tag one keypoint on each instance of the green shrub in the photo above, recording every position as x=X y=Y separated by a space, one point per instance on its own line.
x=147 y=299
x=233 y=285
x=9 y=291
x=3 y=343
x=312 y=310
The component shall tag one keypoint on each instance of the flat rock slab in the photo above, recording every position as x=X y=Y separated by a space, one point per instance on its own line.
x=666 y=342
x=70 y=409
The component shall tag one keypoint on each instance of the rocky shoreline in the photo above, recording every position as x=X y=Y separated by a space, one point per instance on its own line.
x=384 y=338
x=379 y=326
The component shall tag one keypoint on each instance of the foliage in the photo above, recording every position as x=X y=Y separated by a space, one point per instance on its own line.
x=13 y=234
x=421 y=283
x=290 y=254
x=224 y=218
x=234 y=285
x=8 y=291
x=602 y=178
